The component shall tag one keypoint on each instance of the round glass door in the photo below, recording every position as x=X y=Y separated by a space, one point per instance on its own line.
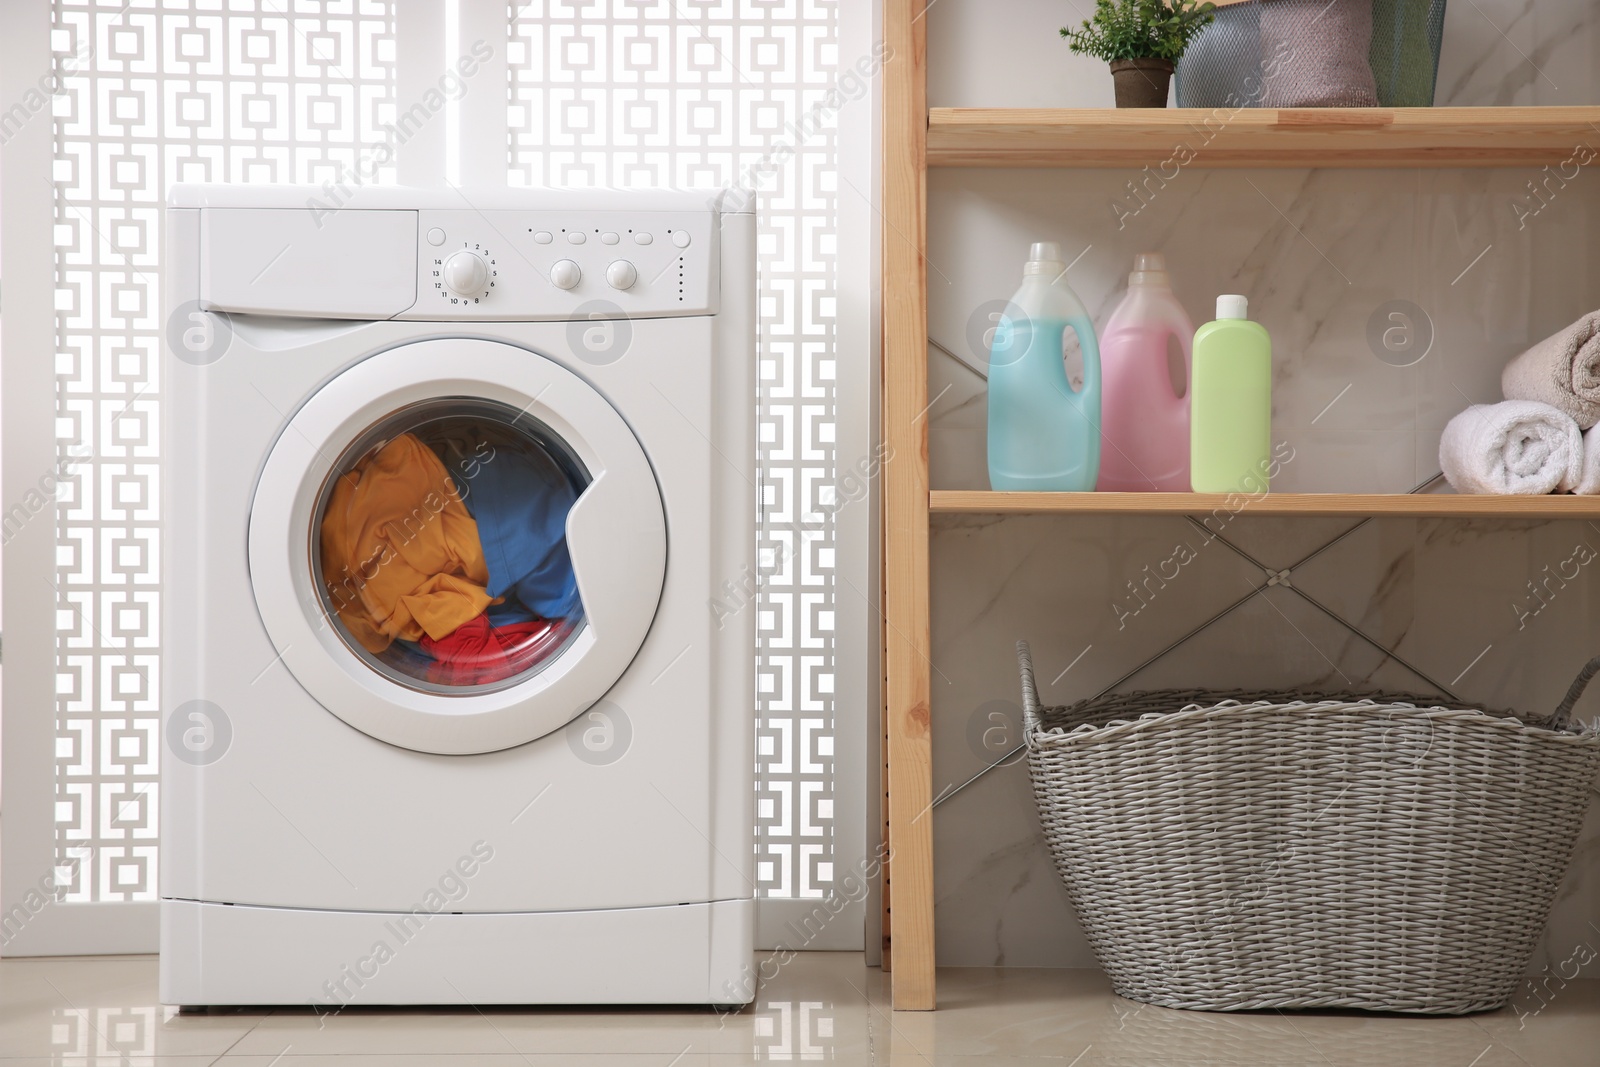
x=441 y=546
x=457 y=545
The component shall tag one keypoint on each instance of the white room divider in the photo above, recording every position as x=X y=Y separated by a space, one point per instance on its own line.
x=772 y=98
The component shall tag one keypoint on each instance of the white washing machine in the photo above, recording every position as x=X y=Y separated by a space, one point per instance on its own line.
x=457 y=710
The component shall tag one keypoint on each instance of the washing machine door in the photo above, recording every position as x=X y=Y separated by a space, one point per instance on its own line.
x=457 y=546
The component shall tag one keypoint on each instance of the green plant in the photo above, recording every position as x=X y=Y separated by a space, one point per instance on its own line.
x=1140 y=29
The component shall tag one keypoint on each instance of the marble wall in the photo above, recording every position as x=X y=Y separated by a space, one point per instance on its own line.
x=1318 y=252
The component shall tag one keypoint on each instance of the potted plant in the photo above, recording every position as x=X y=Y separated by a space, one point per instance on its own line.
x=1141 y=39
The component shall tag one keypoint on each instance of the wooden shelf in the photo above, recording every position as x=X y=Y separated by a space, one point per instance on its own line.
x=1421 y=505
x=1260 y=137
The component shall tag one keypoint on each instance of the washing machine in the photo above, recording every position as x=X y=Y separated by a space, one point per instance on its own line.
x=458 y=708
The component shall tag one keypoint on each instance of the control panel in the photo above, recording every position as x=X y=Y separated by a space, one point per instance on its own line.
x=514 y=265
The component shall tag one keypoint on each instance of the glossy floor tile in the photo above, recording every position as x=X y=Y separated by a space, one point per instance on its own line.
x=823 y=1007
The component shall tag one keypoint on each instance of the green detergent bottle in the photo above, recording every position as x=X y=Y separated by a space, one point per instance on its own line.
x=1230 y=406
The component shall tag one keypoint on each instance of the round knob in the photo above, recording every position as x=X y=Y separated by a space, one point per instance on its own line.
x=466 y=273
x=565 y=274
x=621 y=275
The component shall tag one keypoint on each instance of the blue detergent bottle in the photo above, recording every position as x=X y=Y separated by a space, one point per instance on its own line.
x=1043 y=434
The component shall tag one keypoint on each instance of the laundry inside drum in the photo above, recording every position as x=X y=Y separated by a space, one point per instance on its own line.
x=440 y=546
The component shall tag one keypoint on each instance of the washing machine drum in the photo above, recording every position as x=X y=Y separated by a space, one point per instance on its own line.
x=457 y=546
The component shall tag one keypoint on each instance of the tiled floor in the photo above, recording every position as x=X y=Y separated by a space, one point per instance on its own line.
x=820 y=1007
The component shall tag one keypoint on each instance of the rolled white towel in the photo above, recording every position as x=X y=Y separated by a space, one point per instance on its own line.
x=1514 y=447
x=1589 y=483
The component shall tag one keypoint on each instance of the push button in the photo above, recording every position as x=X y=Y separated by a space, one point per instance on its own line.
x=642 y=238
x=542 y=237
x=577 y=237
x=436 y=236
x=609 y=238
x=680 y=238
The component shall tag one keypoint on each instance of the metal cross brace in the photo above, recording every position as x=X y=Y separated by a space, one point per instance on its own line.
x=1280 y=579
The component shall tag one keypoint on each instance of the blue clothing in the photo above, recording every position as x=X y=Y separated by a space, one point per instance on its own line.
x=510 y=613
x=520 y=499
x=408 y=658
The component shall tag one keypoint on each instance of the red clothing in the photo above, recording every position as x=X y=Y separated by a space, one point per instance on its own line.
x=477 y=653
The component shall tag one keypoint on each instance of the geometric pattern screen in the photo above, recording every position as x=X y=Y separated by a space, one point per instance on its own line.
x=675 y=92
x=187 y=91
x=715 y=92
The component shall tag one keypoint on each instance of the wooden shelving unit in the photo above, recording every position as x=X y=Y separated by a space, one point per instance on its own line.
x=914 y=139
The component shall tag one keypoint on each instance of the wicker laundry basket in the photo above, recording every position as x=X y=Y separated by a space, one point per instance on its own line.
x=1237 y=850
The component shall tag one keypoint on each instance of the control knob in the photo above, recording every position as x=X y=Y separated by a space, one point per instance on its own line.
x=466 y=274
x=621 y=274
x=565 y=274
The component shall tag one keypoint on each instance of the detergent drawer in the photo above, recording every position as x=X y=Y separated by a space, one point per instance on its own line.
x=308 y=262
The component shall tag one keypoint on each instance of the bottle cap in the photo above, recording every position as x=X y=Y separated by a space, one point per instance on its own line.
x=1233 y=307
x=1149 y=268
x=1044 y=257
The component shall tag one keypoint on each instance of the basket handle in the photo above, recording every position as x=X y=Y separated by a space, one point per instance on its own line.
x=1558 y=721
x=1030 y=692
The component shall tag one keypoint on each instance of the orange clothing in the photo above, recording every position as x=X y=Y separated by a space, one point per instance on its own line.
x=400 y=553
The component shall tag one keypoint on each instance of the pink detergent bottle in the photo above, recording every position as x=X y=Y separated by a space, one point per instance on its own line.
x=1144 y=420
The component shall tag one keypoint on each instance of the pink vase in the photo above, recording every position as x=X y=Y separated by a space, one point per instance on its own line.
x=1144 y=420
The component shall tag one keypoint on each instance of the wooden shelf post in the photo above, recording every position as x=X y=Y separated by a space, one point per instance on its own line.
x=905 y=502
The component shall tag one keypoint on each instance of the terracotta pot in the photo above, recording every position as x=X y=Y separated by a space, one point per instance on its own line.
x=1142 y=82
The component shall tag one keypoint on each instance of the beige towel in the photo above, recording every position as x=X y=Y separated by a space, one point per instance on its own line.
x=1563 y=370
